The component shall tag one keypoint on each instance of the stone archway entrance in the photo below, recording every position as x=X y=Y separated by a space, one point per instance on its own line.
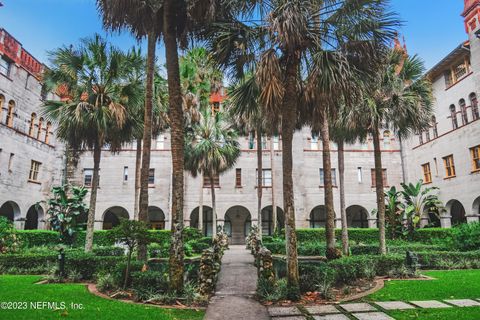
x=357 y=217
x=237 y=224
x=34 y=218
x=10 y=210
x=457 y=212
x=267 y=220
x=207 y=228
x=111 y=217
x=156 y=218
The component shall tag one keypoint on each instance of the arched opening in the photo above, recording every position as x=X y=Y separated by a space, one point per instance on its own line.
x=32 y=124
x=267 y=220
x=453 y=116
x=357 y=217
x=318 y=217
x=48 y=131
x=463 y=110
x=207 y=220
x=474 y=106
x=10 y=210
x=237 y=224
x=156 y=218
x=112 y=216
x=476 y=206
x=457 y=212
x=435 y=127
x=10 y=113
x=34 y=217
x=40 y=129
x=2 y=101
x=433 y=220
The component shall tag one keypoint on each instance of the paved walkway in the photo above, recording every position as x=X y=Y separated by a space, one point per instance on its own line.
x=235 y=289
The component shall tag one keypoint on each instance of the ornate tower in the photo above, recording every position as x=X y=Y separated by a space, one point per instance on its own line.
x=471 y=15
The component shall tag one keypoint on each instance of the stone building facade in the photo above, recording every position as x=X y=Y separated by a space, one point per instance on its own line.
x=455 y=134
x=31 y=161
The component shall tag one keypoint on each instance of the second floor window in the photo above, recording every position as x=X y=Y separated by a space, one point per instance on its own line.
x=238 y=177
x=34 y=169
x=87 y=177
x=427 y=174
x=384 y=178
x=5 y=66
x=314 y=142
x=207 y=182
x=151 y=177
x=266 y=177
x=435 y=127
x=453 y=115
x=322 y=177
x=10 y=113
x=125 y=173
x=475 y=154
x=449 y=166
x=474 y=104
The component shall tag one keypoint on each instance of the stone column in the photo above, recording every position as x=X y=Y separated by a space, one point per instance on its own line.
x=338 y=223
x=471 y=218
x=168 y=225
x=446 y=221
x=98 y=225
x=19 y=224
x=424 y=222
x=186 y=222
x=372 y=222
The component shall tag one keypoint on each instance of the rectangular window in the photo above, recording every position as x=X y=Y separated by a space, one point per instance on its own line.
x=359 y=175
x=5 y=66
x=475 y=153
x=459 y=71
x=161 y=142
x=34 y=169
x=427 y=173
x=449 y=166
x=266 y=177
x=384 y=178
x=238 y=178
x=314 y=142
x=151 y=176
x=322 y=177
x=87 y=177
x=10 y=162
x=275 y=143
x=448 y=78
x=251 y=141
x=125 y=173
x=207 y=183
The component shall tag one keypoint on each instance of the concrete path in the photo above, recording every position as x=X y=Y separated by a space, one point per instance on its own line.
x=235 y=289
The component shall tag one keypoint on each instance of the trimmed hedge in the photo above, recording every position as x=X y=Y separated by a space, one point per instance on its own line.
x=87 y=264
x=102 y=238
x=449 y=260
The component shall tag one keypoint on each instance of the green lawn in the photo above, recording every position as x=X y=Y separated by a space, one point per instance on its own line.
x=454 y=284
x=22 y=288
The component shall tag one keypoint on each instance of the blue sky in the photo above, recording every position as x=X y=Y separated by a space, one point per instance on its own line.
x=432 y=28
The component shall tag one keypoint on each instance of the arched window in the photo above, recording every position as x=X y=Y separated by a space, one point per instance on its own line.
x=48 y=130
x=420 y=137
x=2 y=100
x=32 y=124
x=10 y=113
x=427 y=135
x=453 y=115
x=435 y=127
x=474 y=104
x=40 y=128
x=463 y=110
x=386 y=139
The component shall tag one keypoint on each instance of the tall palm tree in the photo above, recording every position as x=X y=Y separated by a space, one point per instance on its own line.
x=211 y=149
x=279 y=38
x=174 y=20
x=398 y=97
x=97 y=104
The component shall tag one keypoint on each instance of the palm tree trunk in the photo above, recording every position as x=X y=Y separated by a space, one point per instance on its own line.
x=177 y=141
x=259 y=178
x=289 y=115
x=274 y=204
x=138 y=172
x=328 y=188
x=214 y=207
x=147 y=141
x=97 y=152
x=379 y=188
x=200 y=209
x=343 y=211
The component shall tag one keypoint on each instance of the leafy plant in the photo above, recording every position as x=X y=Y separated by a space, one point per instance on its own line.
x=418 y=201
x=466 y=236
x=8 y=238
x=65 y=208
x=105 y=282
x=393 y=213
x=132 y=234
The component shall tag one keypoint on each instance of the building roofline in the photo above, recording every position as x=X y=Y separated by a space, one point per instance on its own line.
x=435 y=70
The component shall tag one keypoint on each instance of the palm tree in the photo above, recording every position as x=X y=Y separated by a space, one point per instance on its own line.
x=279 y=38
x=95 y=109
x=174 y=20
x=398 y=97
x=211 y=149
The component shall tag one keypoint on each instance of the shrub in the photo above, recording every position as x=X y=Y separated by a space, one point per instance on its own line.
x=466 y=237
x=109 y=251
x=119 y=271
x=276 y=247
x=105 y=283
x=198 y=245
x=316 y=275
x=272 y=292
x=157 y=250
x=24 y=263
x=449 y=260
x=153 y=281
x=8 y=240
x=87 y=264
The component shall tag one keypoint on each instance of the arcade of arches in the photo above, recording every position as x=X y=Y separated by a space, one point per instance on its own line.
x=237 y=224
x=112 y=216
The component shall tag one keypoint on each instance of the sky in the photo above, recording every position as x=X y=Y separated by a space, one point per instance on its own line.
x=432 y=28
